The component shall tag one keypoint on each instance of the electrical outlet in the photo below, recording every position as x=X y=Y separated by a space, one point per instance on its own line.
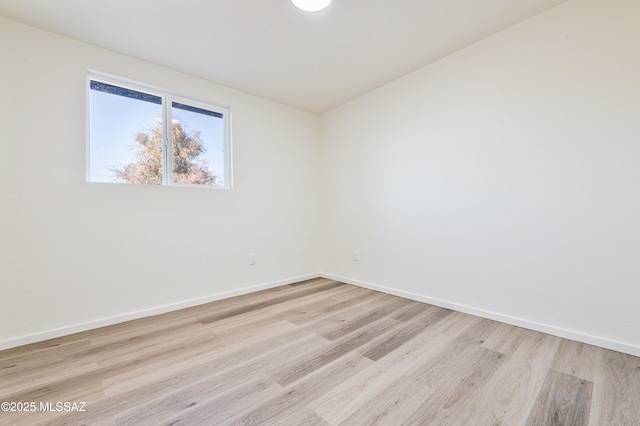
x=252 y=258
x=355 y=256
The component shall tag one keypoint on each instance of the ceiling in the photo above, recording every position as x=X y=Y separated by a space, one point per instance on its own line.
x=311 y=61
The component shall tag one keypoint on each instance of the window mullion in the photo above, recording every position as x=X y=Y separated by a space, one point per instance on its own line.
x=167 y=146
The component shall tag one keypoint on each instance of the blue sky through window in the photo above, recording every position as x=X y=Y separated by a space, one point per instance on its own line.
x=115 y=120
x=211 y=133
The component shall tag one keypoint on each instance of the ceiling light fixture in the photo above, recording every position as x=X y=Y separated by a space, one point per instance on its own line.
x=311 y=5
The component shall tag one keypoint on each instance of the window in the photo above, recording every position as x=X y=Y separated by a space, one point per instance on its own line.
x=143 y=135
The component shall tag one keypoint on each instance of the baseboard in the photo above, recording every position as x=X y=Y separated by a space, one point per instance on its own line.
x=519 y=322
x=64 y=331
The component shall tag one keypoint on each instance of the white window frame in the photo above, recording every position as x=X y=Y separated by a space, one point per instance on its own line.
x=168 y=98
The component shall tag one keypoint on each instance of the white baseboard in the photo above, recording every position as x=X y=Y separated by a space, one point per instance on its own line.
x=76 y=328
x=519 y=322
x=531 y=325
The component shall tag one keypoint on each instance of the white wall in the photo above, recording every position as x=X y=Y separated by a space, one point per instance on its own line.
x=74 y=253
x=502 y=180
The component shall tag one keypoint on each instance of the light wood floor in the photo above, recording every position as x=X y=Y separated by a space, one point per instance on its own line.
x=320 y=352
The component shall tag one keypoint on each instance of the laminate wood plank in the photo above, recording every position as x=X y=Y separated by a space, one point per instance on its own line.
x=578 y=359
x=107 y=408
x=299 y=311
x=384 y=309
x=233 y=332
x=217 y=402
x=26 y=382
x=410 y=310
x=315 y=306
x=306 y=390
x=54 y=381
x=328 y=324
x=457 y=387
x=478 y=331
x=512 y=390
x=564 y=400
x=169 y=320
x=51 y=345
x=152 y=395
x=258 y=296
x=259 y=305
x=147 y=347
x=336 y=350
x=223 y=357
x=20 y=367
x=88 y=393
x=505 y=339
x=353 y=299
x=40 y=358
x=310 y=281
x=203 y=405
x=301 y=417
x=417 y=325
x=346 y=398
x=139 y=328
x=227 y=355
x=204 y=399
x=393 y=406
x=275 y=311
x=86 y=359
x=269 y=295
x=616 y=396
x=455 y=323
x=48 y=388
x=437 y=367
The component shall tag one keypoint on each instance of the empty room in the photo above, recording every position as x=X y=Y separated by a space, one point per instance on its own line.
x=347 y=212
